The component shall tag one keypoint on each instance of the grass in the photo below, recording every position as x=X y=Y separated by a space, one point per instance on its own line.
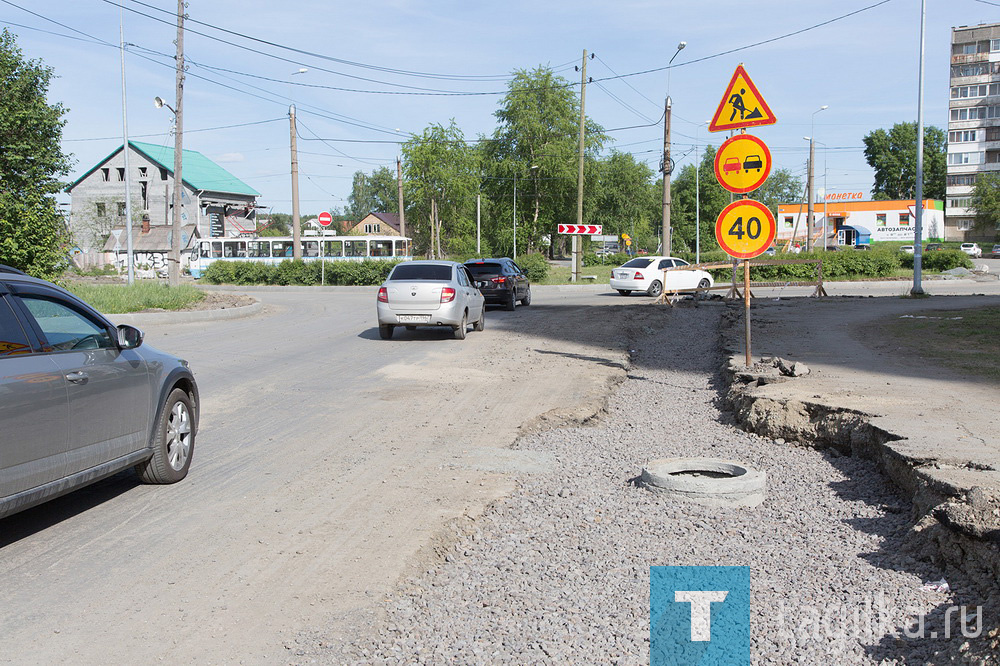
x=963 y=340
x=121 y=298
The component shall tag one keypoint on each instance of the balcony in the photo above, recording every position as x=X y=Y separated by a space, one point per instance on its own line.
x=971 y=57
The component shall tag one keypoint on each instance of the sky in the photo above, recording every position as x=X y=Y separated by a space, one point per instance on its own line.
x=377 y=71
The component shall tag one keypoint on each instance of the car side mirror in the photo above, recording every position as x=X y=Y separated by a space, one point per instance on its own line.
x=129 y=337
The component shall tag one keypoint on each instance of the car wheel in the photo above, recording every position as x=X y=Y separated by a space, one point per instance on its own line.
x=511 y=300
x=704 y=284
x=174 y=441
x=655 y=289
x=461 y=328
x=624 y=292
x=385 y=331
x=481 y=324
x=527 y=297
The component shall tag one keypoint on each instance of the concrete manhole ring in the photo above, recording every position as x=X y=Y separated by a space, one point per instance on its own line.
x=705 y=481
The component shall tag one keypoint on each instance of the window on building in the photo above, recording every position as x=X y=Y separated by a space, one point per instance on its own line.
x=163 y=173
x=962 y=180
x=121 y=174
x=142 y=172
x=960 y=202
x=966 y=158
x=995 y=45
x=121 y=209
x=144 y=194
x=964 y=225
x=976 y=113
x=880 y=219
x=904 y=219
x=962 y=136
x=102 y=209
x=974 y=69
x=964 y=92
x=373 y=228
x=105 y=174
x=789 y=222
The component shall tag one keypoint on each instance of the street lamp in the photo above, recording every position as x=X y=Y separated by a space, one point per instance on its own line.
x=665 y=168
x=812 y=154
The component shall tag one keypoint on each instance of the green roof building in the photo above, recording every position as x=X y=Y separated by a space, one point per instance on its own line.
x=215 y=202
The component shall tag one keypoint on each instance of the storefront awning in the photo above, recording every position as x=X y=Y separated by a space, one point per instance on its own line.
x=864 y=234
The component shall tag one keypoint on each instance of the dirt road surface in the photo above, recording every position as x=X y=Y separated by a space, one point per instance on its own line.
x=327 y=462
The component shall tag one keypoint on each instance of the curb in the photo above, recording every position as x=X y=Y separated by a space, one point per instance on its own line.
x=156 y=318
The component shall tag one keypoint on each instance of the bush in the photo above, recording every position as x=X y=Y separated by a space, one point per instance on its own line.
x=535 y=266
x=347 y=273
x=942 y=260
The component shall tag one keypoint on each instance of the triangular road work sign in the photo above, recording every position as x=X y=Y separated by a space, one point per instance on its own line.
x=742 y=105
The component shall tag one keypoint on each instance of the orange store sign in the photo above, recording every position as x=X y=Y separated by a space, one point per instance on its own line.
x=845 y=196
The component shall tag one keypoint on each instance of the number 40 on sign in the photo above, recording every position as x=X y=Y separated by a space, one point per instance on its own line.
x=745 y=228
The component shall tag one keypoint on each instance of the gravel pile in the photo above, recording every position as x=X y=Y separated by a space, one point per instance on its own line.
x=559 y=572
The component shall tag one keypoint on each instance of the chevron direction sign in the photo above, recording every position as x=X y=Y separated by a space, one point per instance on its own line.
x=587 y=229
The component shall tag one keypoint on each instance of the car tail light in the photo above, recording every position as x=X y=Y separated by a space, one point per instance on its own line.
x=638 y=276
x=383 y=295
x=447 y=295
x=498 y=280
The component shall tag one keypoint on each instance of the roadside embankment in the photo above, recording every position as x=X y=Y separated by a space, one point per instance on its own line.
x=825 y=378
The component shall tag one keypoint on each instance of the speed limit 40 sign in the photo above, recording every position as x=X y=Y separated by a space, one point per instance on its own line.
x=745 y=228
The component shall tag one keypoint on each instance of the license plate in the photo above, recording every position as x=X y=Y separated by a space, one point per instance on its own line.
x=414 y=319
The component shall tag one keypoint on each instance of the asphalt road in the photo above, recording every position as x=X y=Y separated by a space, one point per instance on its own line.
x=327 y=463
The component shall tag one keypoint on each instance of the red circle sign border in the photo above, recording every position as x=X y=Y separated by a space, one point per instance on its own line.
x=325 y=216
x=722 y=150
x=770 y=238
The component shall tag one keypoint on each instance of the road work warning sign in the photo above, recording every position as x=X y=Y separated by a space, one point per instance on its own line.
x=741 y=106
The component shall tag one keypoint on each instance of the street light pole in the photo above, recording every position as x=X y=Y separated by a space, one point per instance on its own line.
x=665 y=167
x=812 y=155
x=918 y=256
x=125 y=151
x=174 y=264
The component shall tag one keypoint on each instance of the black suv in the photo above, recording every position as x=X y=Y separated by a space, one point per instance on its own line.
x=501 y=281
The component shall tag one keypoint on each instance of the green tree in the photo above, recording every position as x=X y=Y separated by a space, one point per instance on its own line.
x=713 y=198
x=625 y=199
x=893 y=156
x=33 y=236
x=536 y=143
x=781 y=187
x=375 y=193
x=442 y=174
x=986 y=202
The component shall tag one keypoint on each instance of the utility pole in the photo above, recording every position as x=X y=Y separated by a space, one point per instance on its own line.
x=399 y=186
x=575 y=277
x=812 y=196
x=174 y=264
x=296 y=227
x=666 y=168
x=125 y=151
x=478 y=226
x=918 y=232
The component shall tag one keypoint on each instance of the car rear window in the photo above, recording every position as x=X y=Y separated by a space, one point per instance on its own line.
x=485 y=269
x=421 y=272
x=638 y=263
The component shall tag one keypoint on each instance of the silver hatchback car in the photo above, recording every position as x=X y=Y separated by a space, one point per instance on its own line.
x=430 y=293
x=81 y=399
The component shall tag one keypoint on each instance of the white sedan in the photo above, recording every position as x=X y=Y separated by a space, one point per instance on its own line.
x=647 y=274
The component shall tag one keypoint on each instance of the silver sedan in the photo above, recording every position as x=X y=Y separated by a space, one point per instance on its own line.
x=430 y=293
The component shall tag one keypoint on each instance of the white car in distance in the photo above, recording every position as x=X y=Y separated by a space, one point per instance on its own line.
x=647 y=274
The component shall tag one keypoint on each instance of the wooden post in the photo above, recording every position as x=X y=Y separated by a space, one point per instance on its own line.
x=746 y=308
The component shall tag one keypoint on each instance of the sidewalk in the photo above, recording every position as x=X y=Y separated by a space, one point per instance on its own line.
x=933 y=431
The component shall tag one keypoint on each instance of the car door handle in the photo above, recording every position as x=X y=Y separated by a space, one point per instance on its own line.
x=77 y=377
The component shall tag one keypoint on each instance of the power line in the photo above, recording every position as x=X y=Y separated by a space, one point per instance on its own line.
x=187 y=131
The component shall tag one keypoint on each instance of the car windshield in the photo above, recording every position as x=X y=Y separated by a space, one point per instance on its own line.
x=638 y=263
x=484 y=269
x=421 y=272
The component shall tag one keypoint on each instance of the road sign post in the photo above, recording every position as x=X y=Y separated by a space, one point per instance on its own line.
x=326 y=219
x=744 y=228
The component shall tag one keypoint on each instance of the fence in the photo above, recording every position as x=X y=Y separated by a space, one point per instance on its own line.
x=732 y=289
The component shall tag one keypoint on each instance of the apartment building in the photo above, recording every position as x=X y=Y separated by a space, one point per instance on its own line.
x=973 y=124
